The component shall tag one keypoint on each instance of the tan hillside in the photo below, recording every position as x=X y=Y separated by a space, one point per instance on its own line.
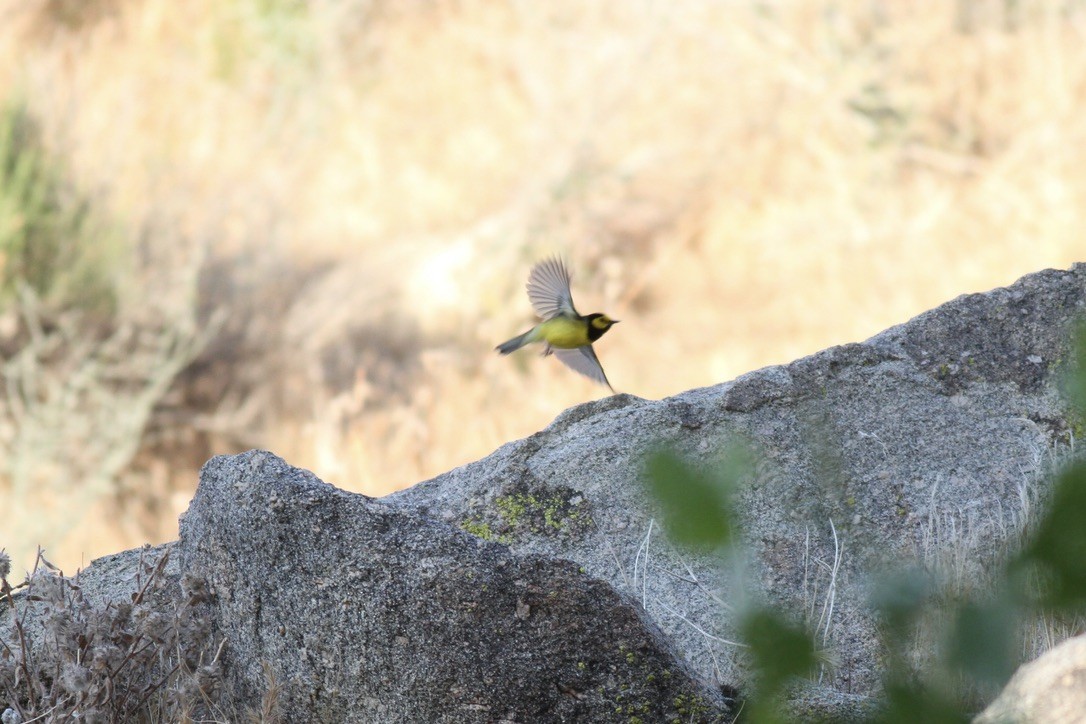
x=310 y=222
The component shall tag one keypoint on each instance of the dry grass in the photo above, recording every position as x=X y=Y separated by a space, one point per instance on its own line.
x=964 y=554
x=742 y=183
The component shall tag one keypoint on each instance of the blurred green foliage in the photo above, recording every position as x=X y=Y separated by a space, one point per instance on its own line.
x=979 y=647
x=909 y=701
x=780 y=650
x=50 y=244
x=1057 y=551
x=695 y=503
x=981 y=641
x=1074 y=373
x=899 y=597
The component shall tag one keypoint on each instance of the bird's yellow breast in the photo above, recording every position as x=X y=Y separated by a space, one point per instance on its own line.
x=564 y=333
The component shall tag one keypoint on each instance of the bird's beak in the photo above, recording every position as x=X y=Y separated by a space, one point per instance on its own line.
x=615 y=321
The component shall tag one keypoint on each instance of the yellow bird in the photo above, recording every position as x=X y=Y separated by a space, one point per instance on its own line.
x=563 y=331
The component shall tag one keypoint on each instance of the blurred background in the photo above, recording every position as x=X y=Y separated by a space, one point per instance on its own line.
x=304 y=225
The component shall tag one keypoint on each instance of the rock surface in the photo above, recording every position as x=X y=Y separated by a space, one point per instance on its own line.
x=925 y=441
x=365 y=612
x=1049 y=690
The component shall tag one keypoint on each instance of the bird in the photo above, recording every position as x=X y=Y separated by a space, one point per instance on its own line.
x=564 y=332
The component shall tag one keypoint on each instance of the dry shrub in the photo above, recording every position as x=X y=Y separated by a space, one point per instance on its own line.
x=64 y=657
x=93 y=329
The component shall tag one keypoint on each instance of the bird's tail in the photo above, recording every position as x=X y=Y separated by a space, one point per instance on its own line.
x=516 y=342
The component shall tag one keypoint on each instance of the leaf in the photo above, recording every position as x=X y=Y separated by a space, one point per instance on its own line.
x=899 y=597
x=695 y=505
x=780 y=648
x=982 y=640
x=909 y=702
x=1074 y=382
x=1059 y=547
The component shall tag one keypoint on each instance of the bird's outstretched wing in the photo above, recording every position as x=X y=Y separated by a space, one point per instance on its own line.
x=548 y=289
x=584 y=361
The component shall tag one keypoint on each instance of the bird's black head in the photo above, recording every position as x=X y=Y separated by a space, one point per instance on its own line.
x=598 y=324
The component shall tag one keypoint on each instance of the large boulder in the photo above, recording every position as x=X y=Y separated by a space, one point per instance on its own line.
x=1049 y=690
x=927 y=441
x=367 y=612
x=290 y=600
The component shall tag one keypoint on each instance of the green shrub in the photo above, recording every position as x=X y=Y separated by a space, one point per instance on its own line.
x=50 y=242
